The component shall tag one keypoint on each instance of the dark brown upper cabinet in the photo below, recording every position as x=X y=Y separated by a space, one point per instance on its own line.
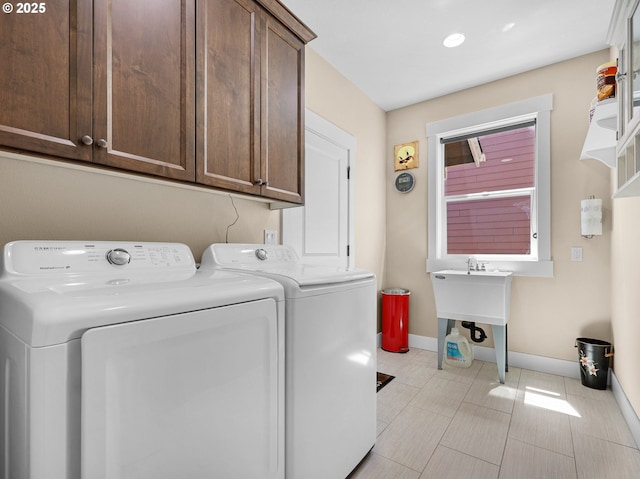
x=205 y=91
x=282 y=114
x=250 y=75
x=45 y=80
x=144 y=86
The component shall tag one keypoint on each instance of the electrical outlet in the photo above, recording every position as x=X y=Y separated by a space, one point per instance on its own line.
x=576 y=254
x=270 y=236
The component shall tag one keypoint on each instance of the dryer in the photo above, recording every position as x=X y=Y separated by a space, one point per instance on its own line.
x=330 y=318
x=122 y=361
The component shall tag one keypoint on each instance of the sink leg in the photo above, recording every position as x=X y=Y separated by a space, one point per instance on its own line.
x=506 y=349
x=500 y=345
x=444 y=328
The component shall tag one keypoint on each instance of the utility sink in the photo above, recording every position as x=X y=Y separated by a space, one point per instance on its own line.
x=480 y=296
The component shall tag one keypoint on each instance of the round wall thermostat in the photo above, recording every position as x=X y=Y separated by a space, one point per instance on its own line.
x=405 y=182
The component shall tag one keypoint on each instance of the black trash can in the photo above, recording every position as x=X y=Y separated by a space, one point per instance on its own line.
x=594 y=355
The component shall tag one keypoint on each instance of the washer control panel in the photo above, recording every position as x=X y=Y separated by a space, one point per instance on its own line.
x=262 y=254
x=118 y=256
x=237 y=254
x=76 y=257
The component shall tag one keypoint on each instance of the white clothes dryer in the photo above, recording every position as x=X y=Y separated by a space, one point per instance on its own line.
x=330 y=358
x=122 y=361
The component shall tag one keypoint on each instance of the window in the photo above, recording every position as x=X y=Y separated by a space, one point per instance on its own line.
x=489 y=189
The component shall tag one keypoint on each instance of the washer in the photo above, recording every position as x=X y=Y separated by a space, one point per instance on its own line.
x=122 y=361
x=330 y=317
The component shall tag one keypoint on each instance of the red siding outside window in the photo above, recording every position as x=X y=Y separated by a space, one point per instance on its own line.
x=495 y=222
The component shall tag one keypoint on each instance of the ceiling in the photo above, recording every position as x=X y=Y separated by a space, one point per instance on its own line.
x=392 y=49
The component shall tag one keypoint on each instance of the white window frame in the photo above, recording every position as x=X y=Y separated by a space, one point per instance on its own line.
x=538 y=262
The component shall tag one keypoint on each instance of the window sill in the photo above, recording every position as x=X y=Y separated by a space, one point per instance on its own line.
x=539 y=269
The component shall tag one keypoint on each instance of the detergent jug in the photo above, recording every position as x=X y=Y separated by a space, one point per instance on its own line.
x=458 y=351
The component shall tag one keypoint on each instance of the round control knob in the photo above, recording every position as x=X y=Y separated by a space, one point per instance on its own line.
x=118 y=256
x=261 y=254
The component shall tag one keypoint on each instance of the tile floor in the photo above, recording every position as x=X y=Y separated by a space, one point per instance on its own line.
x=464 y=424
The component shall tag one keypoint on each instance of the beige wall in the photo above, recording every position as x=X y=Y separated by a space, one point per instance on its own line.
x=50 y=200
x=336 y=99
x=547 y=314
x=625 y=311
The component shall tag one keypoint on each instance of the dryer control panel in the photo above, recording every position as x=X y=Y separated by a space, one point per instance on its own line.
x=46 y=258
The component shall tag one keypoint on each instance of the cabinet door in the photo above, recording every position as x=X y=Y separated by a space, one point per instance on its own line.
x=45 y=79
x=144 y=86
x=282 y=114
x=228 y=91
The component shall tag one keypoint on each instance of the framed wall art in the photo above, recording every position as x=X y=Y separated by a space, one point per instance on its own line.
x=405 y=156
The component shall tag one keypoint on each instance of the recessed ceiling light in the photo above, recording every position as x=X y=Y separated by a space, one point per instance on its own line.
x=453 y=40
x=508 y=27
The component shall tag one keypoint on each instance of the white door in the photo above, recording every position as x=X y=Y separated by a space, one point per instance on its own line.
x=321 y=231
x=187 y=396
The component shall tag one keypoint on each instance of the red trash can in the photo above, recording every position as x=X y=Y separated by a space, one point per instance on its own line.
x=395 y=320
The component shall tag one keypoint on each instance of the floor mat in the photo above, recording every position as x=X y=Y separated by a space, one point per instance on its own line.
x=383 y=380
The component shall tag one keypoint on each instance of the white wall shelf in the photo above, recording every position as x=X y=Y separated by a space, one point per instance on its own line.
x=600 y=143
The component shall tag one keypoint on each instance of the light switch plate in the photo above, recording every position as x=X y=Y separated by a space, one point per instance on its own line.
x=270 y=237
x=576 y=254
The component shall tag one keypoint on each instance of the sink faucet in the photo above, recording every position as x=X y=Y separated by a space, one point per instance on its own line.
x=478 y=266
x=469 y=264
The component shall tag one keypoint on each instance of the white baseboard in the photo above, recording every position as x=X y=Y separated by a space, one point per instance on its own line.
x=560 y=367
x=627 y=410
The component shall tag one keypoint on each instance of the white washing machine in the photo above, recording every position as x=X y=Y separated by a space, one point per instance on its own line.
x=122 y=361
x=330 y=318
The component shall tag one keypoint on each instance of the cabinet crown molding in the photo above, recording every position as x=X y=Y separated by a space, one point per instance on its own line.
x=282 y=13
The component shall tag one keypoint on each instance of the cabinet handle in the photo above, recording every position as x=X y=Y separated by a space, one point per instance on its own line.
x=102 y=143
x=87 y=140
x=261 y=182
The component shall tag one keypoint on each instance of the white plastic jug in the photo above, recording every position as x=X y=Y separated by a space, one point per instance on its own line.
x=458 y=352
